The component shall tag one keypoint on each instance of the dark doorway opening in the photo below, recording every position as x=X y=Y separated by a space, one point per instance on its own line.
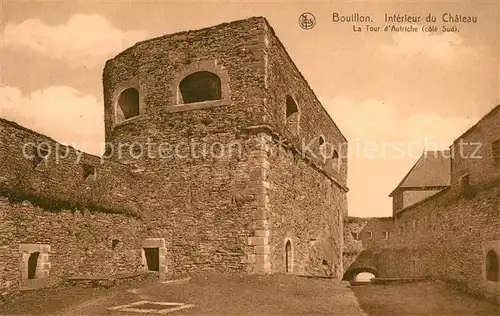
x=492 y=266
x=288 y=257
x=152 y=258
x=32 y=263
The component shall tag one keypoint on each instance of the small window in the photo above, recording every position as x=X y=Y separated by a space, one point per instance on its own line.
x=200 y=86
x=322 y=147
x=39 y=155
x=321 y=141
x=128 y=103
x=335 y=158
x=355 y=235
x=292 y=115
x=88 y=171
x=385 y=234
x=369 y=234
x=495 y=152
x=33 y=265
x=465 y=181
x=414 y=224
x=492 y=266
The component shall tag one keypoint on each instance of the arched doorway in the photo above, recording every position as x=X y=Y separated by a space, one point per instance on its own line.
x=32 y=263
x=288 y=257
x=492 y=266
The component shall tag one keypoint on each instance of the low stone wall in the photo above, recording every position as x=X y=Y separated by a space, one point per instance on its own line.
x=447 y=238
x=63 y=243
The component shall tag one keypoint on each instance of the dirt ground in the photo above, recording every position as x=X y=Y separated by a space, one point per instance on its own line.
x=219 y=294
x=423 y=298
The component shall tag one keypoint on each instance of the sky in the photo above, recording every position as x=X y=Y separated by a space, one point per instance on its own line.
x=385 y=90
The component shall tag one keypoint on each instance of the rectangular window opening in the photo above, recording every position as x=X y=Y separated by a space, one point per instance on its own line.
x=495 y=152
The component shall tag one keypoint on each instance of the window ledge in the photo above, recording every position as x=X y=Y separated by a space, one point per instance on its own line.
x=197 y=105
x=129 y=120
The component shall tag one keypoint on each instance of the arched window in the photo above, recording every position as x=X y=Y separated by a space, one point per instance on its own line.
x=292 y=115
x=321 y=144
x=200 y=86
x=333 y=163
x=288 y=257
x=492 y=266
x=335 y=158
x=321 y=140
x=128 y=101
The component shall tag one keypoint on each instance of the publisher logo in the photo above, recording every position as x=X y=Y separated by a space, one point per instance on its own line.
x=307 y=21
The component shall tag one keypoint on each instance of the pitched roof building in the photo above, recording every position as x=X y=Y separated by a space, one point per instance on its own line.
x=430 y=174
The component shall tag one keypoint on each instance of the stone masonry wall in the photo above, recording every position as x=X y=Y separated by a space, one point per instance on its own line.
x=282 y=79
x=234 y=51
x=307 y=192
x=59 y=179
x=444 y=238
x=80 y=242
x=192 y=173
x=306 y=208
x=220 y=199
x=413 y=196
x=197 y=188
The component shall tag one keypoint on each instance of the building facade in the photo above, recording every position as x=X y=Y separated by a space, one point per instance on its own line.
x=219 y=157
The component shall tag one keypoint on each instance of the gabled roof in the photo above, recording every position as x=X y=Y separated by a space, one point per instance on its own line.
x=494 y=110
x=432 y=169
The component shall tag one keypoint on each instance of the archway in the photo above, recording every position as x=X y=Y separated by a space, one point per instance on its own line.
x=364 y=277
x=32 y=264
x=352 y=273
x=288 y=257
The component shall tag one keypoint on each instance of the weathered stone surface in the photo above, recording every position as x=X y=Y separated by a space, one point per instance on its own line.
x=217 y=198
x=447 y=235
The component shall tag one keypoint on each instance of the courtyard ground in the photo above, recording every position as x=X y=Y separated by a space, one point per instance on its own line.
x=218 y=294
x=421 y=298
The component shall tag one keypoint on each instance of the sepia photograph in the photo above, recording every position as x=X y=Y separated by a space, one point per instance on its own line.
x=273 y=157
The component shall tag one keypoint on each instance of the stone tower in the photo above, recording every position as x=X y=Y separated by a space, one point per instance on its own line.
x=232 y=142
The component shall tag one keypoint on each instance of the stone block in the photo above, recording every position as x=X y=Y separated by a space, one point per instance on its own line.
x=261 y=233
x=44 y=257
x=262 y=199
x=258 y=174
x=260 y=224
x=153 y=243
x=257 y=241
x=250 y=258
x=262 y=268
x=261 y=213
x=261 y=259
x=261 y=250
